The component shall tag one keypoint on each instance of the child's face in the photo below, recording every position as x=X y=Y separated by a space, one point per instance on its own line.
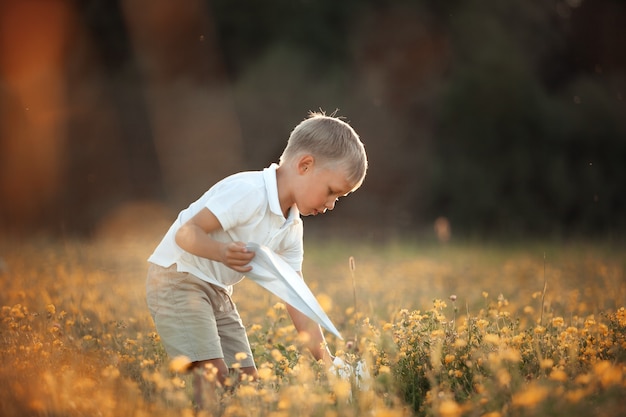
x=320 y=190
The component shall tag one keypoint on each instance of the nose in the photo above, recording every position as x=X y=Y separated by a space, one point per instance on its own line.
x=331 y=204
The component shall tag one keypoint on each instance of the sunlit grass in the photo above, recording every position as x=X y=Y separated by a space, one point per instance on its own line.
x=451 y=330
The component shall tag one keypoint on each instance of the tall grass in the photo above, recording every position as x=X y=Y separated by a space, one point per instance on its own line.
x=454 y=330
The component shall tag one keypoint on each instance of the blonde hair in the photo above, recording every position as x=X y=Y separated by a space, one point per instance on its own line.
x=331 y=141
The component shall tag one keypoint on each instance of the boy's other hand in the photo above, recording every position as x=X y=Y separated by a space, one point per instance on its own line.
x=237 y=257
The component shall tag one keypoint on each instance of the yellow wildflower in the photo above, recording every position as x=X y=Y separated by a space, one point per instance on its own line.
x=530 y=397
x=511 y=355
x=504 y=377
x=576 y=395
x=449 y=408
x=437 y=333
x=558 y=321
x=266 y=374
x=342 y=389
x=607 y=373
x=18 y=311
x=277 y=355
x=247 y=391
x=583 y=379
x=180 y=364
x=558 y=375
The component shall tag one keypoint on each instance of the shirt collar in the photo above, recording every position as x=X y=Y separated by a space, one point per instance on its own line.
x=271 y=186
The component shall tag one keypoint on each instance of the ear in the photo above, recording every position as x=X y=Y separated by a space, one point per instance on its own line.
x=305 y=164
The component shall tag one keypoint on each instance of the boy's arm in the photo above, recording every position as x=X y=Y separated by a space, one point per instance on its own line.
x=193 y=237
x=314 y=338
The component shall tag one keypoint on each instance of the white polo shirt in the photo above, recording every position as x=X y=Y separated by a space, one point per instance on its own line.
x=247 y=206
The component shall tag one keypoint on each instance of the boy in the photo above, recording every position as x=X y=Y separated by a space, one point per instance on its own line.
x=193 y=269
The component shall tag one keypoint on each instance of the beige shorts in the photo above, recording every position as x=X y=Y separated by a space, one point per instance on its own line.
x=195 y=318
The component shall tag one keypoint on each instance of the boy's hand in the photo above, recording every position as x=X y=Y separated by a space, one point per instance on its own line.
x=237 y=257
x=347 y=372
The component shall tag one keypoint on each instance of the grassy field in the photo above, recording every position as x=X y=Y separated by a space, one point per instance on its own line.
x=444 y=330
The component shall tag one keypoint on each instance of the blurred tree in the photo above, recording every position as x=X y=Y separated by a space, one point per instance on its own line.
x=193 y=120
x=110 y=158
x=104 y=103
x=506 y=118
x=33 y=107
x=514 y=152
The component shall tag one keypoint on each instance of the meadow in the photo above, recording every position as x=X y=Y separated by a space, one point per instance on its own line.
x=452 y=330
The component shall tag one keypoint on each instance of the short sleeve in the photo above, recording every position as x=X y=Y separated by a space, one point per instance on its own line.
x=235 y=202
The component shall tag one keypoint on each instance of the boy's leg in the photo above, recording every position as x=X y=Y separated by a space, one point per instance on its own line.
x=250 y=371
x=207 y=376
x=183 y=308
x=234 y=340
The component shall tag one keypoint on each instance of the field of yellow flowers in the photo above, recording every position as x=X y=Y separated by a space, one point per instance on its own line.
x=443 y=330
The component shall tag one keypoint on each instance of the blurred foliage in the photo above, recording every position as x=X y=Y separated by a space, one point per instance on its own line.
x=506 y=118
x=248 y=28
x=513 y=153
x=491 y=363
x=527 y=139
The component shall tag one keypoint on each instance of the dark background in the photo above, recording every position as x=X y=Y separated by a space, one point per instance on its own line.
x=505 y=117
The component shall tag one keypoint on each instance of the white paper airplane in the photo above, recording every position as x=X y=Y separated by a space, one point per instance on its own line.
x=274 y=274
